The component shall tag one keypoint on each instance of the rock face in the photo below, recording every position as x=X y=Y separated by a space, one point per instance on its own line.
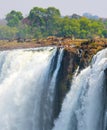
x=70 y=62
x=73 y=58
x=77 y=53
x=106 y=77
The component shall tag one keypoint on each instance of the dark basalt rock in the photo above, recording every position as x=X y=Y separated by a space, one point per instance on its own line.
x=105 y=71
x=70 y=62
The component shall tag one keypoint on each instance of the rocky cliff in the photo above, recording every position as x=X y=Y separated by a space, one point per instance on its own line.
x=77 y=54
x=75 y=57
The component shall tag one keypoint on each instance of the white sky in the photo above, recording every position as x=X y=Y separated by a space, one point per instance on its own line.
x=66 y=7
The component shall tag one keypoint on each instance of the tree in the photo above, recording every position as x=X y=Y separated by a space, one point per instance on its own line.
x=69 y=27
x=44 y=20
x=24 y=31
x=53 y=15
x=104 y=32
x=8 y=33
x=13 y=18
x=36 y=16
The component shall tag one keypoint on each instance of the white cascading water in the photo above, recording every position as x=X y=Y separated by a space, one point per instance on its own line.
x=23 y=78
x=84 y=107
x=49 y=102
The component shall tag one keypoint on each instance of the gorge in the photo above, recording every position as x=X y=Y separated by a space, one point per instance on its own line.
x=50 y=88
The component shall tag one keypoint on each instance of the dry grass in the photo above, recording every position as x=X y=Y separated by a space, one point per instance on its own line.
x=68 y=43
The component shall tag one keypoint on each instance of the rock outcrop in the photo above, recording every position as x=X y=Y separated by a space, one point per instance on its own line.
x=74 y=57
x=77 y=53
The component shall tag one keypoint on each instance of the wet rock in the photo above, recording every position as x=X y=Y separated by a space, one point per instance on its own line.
x=105 y=71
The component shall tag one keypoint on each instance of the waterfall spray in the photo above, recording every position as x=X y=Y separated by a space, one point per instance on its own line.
x=84 y=106
x=23 y=78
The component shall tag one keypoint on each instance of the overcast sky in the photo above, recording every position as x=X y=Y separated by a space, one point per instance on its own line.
x=66 y=7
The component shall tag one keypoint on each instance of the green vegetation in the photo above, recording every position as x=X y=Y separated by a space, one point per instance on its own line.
x=13 y=18
x=42 y=22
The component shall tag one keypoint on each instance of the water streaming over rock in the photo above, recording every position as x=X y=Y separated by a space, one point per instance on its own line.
x=27 y=92
x=25 y=75
x=85 y=106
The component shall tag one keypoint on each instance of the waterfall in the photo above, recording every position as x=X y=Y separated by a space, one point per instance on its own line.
x=85 y=106
x=28 y=80
x=49 y=102
x=25 y=76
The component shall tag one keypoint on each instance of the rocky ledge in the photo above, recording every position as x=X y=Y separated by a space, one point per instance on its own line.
x=77 y=54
